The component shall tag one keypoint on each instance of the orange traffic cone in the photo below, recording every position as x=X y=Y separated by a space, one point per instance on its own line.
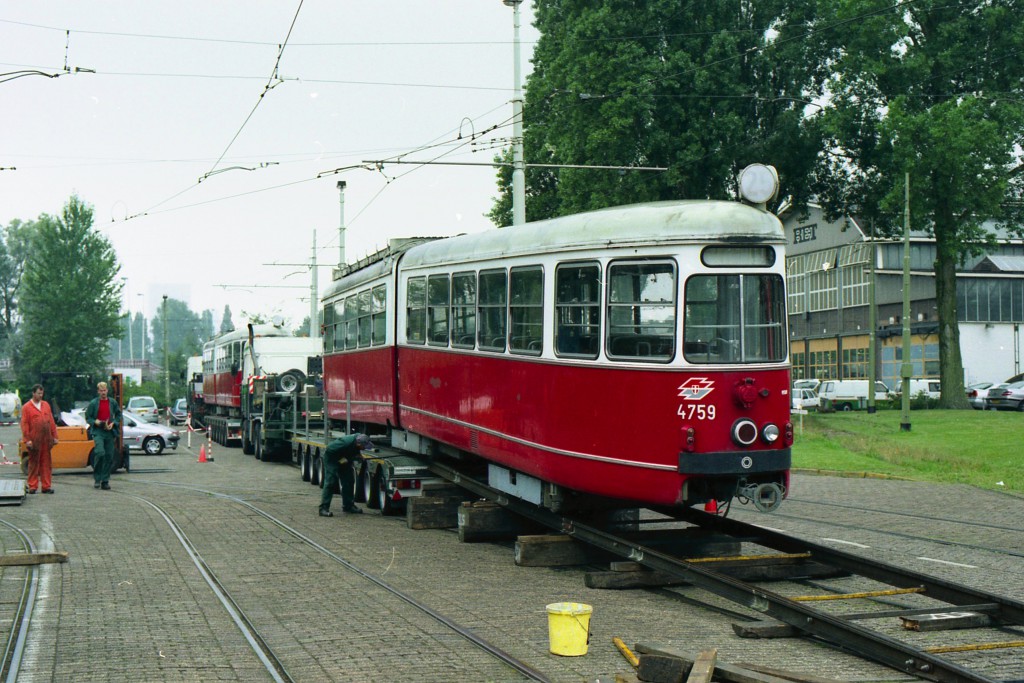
x=711 y=507
x=202 y=454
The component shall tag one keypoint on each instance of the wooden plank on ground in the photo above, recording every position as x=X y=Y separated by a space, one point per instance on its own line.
x=432 y=512
x=655 y=668
x=766 y=628
x=28 y=559
x=723 y=672
x=703 y=667
x=616 y=580
x=486 y=521
x=552 y=551
x=945 y=621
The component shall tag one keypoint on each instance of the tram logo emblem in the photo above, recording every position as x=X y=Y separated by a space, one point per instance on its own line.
x=696 y=388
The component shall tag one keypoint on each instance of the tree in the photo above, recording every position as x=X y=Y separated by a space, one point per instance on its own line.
x=207 y=325
x=703 y=89
x=225 y=321
x=934 y=90
x=70 y=297
x=14 y=244
x=185 y=337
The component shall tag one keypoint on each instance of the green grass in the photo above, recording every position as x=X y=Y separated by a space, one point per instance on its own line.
x=981 y=448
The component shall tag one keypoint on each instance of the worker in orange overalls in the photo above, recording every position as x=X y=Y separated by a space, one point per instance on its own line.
x=39 y=432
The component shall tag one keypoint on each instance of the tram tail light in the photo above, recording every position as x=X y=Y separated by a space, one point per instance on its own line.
x=788 y=434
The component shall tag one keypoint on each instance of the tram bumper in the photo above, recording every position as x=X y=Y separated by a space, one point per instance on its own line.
x=735 y=462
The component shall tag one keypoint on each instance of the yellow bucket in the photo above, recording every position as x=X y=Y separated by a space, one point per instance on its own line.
x=569 y=628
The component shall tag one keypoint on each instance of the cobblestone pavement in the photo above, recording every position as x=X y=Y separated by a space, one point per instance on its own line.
x=131 y=605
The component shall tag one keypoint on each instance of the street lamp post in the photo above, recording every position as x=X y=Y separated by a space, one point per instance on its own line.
x=167 y=369
x=518 y=161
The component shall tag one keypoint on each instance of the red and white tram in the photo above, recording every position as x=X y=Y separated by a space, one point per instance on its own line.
x=637 y=353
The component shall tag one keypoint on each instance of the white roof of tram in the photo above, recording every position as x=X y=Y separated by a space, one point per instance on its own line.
x=651 y=224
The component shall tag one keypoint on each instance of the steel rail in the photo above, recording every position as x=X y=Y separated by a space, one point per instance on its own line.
x=14 y=649
x=847 y=635
x=263 y=651
x=1008 y=611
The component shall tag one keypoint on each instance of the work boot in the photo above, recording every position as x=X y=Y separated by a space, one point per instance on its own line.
x=105 y=485
x=352 y=510
x=324 y=512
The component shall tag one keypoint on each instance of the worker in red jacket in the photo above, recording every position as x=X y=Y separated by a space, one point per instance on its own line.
x=39 y=432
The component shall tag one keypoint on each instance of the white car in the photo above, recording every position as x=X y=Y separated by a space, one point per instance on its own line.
x=805 y=399
x=144 y=407
x=147 y=437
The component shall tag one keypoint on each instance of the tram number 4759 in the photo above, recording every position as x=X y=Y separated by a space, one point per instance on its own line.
x=696 y=412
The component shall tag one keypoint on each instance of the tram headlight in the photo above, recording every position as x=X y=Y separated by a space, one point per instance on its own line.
x=744 y=432
x=770 y=433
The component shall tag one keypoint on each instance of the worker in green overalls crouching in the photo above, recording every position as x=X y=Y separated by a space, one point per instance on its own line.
x=349 y=449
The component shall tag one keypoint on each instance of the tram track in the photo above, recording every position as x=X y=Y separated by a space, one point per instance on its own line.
x=250 y=630
x=21 y=614
x=844 y=632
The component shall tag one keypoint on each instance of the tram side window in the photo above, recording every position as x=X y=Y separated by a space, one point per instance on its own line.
x=363 y=306
x=438 y=292
x=328 y=323
x=493 y=298
x=352 y=322
x=734 y=319
x=464 y=310
x=526 y=310
x=416 y=310
x=378 y=315
x=339 y=325
x=642 y=311
x=578 y=310
x=236 y=357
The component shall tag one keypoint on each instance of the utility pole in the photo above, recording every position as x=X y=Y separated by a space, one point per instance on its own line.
x=872 y=326
x=167 y=369
x=314 y=295
x=518 y=160
x=907 y=369
x=341 y=225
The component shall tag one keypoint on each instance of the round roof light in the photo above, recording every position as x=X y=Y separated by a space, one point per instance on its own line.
x=758 y=183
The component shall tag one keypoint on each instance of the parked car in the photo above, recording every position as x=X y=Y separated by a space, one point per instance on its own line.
x=805 y=399
x=811 y=384
x=179 y=412
x=148 y=437
x=145 y=407
x=1006 y=397
x=976 y=394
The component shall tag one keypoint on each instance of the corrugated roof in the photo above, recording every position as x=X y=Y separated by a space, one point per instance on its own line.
x=1001 y=264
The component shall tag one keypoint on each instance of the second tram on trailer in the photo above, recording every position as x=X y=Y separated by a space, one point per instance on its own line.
x=637 y=354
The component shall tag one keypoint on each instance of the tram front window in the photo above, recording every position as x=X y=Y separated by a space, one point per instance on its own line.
x=734 y=319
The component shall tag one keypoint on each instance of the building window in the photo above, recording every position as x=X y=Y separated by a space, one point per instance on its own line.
x=799 y=371
x=823 y=364
x=855 y=363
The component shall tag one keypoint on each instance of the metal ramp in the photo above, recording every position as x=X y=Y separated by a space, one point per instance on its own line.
x=12 y=491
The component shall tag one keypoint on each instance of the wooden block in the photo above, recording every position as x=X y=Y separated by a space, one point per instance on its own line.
x=432 y=513
x=723 y=672
x=551 y=551
x=443 y=489
x=26 y=559
x=703 y=667
x=631 y=579
x=764 y=629
x=657 y=668
x=945 y=621
x=485 y=521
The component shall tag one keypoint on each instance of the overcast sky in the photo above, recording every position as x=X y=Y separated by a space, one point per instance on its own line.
x=176 y=95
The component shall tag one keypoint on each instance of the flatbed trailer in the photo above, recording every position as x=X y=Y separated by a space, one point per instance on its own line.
x=290 y=426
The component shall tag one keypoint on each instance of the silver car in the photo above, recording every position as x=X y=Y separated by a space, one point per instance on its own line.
x=150 y=438
x=1006 y=397
x=976 y=394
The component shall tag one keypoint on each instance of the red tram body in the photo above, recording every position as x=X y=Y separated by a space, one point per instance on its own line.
x=637 y=353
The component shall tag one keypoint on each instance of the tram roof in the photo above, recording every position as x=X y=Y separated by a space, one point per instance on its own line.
x=260 y=330
x=654 y=223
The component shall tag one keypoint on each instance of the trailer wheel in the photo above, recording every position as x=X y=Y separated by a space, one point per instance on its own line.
x=384 y=503
x=318 y=469
x=372 y=490
x=247 y=444
x=362 y=486
x=290 y=381
x=258 y=445
x=304 y=464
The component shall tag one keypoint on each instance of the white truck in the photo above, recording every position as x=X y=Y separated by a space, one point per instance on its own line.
x=849 y=394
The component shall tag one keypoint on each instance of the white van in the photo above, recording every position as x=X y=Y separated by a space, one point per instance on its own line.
x=931 y=387
x=847 y=394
